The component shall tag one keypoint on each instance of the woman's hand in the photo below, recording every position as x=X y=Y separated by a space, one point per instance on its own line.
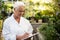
x=19 y=37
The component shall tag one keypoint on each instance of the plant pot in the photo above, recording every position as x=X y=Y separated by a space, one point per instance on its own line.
x=45 y=20
x=40 y=21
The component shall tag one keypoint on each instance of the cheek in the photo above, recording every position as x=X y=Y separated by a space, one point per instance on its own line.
x=21 y=13
x=16 y=13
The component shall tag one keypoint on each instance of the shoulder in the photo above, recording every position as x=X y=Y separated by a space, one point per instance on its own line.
x=7 y=20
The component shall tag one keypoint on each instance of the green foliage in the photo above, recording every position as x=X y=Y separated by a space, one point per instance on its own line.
x=1 y=17
x=57 y=23
x=3 y=9
x=46 y=12
x=38 y=16
x=51 y=29
x=58 y=16
x=45 y=18
x=48 y=31
x=58 y=26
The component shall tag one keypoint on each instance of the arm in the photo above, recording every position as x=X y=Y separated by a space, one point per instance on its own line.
x=26 y=35
x=30 y=30
x=9 y=36
x=19 y=37
x=6 y=32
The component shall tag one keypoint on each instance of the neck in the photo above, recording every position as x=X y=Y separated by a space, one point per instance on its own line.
x=17 y=18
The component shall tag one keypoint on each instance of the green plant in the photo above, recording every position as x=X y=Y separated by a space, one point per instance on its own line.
x=57 y=26
x=48 y=31
x=45 y=18
x=38 y=16
x=1 y=17
x=3 y=10
x=57 y=23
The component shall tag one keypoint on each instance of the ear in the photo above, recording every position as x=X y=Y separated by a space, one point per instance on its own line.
x=14 y=10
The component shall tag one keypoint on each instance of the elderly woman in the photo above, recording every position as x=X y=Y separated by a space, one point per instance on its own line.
x=17 y=27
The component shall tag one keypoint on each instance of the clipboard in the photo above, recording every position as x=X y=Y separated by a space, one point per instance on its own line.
x=31 y=36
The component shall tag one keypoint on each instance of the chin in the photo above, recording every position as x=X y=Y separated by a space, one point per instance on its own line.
x=19 y=16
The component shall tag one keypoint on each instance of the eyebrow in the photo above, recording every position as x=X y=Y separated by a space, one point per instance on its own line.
x=22 y=11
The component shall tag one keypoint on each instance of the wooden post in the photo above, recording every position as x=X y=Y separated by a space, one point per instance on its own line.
x=1 y=23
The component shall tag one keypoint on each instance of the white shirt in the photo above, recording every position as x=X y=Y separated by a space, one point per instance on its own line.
x=11 y=28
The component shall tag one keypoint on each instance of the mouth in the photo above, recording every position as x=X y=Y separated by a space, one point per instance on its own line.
x=19 y=14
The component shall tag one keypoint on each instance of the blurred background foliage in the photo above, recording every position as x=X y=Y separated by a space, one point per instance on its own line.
x=51 y=29
x=33 y=7
x=46 y=10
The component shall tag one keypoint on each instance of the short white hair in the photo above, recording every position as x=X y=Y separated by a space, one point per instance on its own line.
x=18 y=3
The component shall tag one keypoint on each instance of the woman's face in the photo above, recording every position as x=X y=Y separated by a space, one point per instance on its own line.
x=19 y=11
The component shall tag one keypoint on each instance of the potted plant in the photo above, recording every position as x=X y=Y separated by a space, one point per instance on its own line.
x=37 y=17
x=45 y=18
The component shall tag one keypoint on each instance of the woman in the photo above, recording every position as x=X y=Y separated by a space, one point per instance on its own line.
x=17 y=27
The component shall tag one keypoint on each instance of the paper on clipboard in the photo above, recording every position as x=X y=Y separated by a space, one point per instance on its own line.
x=31 y=35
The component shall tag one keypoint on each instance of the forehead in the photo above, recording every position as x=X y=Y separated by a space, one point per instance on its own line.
x=21 y=8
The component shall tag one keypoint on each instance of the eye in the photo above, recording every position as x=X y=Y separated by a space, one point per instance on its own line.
x=21 y=11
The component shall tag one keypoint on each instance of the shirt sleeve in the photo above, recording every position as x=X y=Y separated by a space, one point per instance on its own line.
x=6 y=32
x=30 y=30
